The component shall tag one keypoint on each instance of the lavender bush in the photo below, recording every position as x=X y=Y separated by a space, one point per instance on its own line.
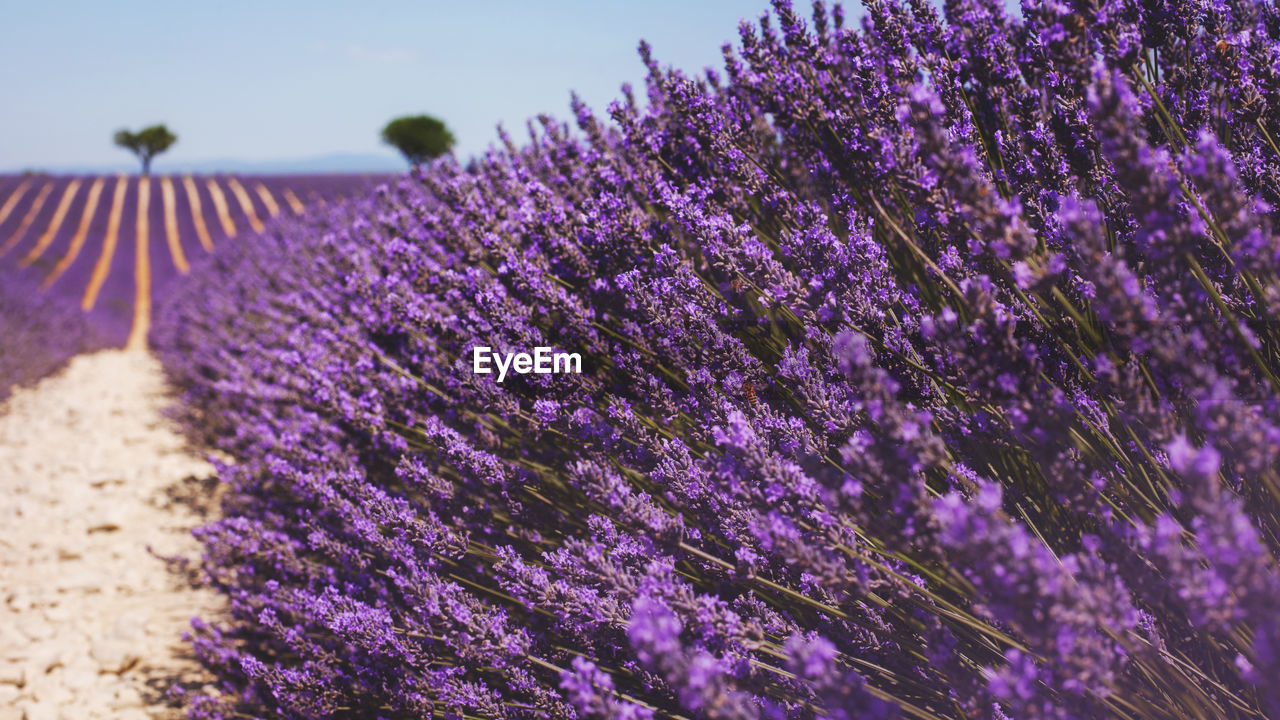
x=39 y=333
x=931 y=370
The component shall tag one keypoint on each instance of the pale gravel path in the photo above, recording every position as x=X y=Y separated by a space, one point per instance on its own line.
x=90 y=621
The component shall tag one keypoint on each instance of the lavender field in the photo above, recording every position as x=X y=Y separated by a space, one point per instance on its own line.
x=83 y=260
x=930 y=370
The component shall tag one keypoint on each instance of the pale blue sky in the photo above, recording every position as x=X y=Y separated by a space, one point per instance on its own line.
x=268 y=80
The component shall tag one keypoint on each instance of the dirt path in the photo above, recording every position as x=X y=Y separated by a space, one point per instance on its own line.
x=90 y=476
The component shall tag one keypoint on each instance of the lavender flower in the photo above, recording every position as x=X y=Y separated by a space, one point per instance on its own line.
x=929 y=370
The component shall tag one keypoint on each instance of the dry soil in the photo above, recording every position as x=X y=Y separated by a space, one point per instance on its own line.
x=95 y=488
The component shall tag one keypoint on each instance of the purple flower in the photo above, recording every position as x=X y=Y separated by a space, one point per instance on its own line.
x=929 y=369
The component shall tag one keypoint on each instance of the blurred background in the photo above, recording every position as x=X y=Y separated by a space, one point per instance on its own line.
x=141 y=139
x=306 y=86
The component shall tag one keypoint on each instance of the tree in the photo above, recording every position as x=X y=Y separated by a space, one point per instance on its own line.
x=418 y=137
x=146 y=143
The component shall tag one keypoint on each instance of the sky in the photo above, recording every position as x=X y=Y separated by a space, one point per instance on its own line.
x=280 y=80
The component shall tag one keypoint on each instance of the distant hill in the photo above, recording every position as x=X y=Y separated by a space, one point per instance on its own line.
x=335 y=163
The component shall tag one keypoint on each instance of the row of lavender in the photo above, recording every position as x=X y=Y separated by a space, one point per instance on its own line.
x=38 y=334
x=930 y=370
x=83 y=258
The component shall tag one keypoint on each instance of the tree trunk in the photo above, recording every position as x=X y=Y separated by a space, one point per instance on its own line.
x=146 y=165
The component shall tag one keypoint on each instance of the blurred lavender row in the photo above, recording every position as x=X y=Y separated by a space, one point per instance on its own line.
x=72 y=276
x=38 y=335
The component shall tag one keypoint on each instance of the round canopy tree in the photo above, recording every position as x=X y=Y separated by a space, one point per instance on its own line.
x=146 y=143
x=418 y=137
